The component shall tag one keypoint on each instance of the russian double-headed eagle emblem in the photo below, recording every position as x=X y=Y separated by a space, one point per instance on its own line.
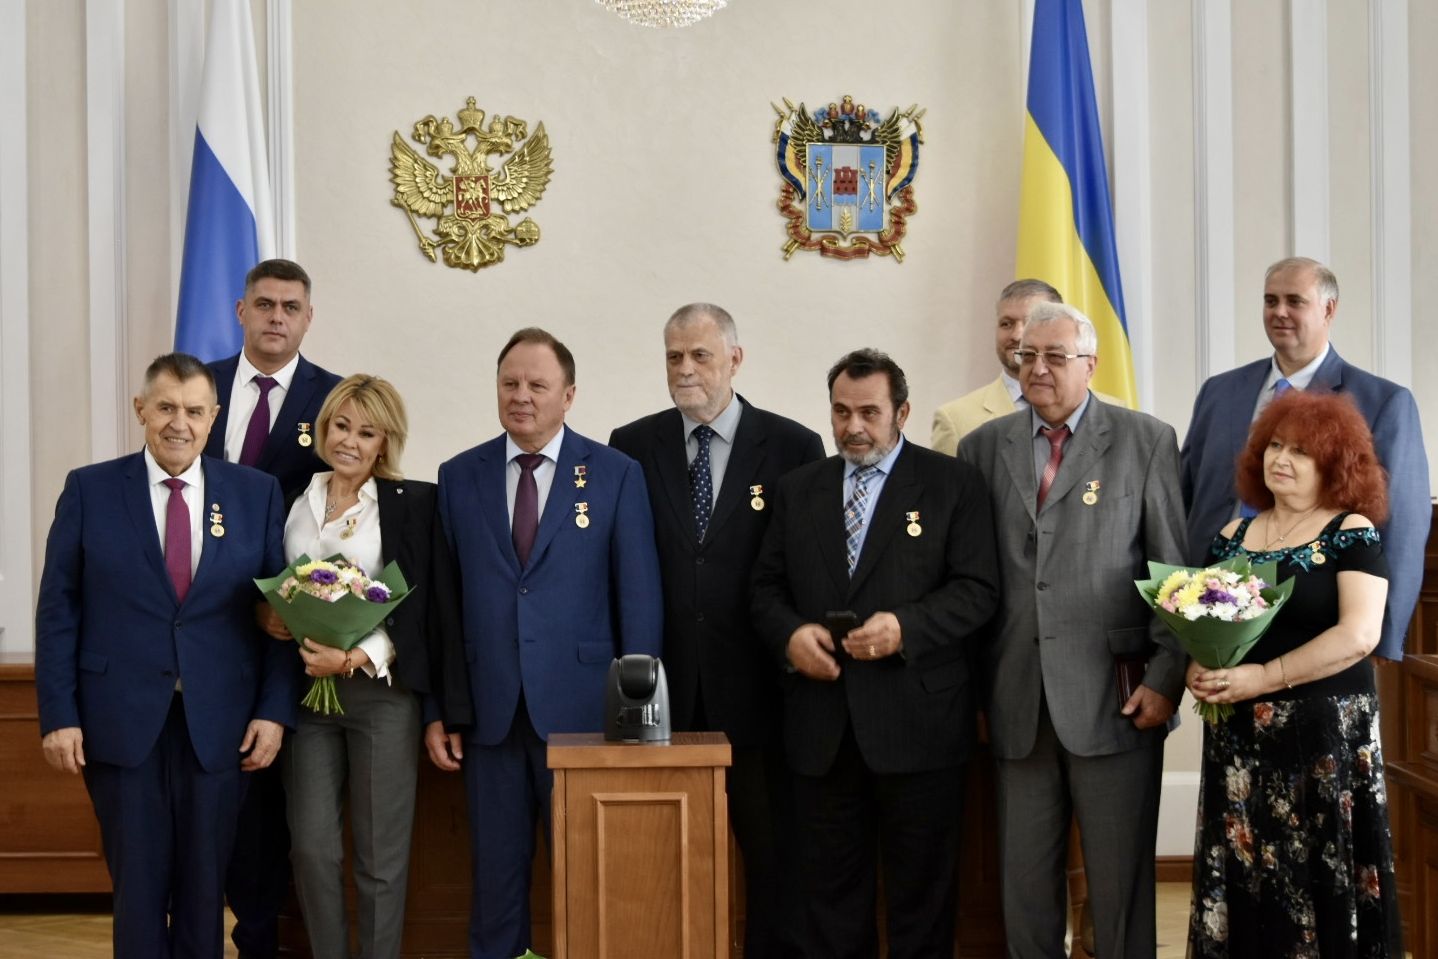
x=848 y=176
x=471 y=231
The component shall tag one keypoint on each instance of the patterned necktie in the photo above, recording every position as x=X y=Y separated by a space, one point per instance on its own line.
x=854 y=514
x=526 y=507
x=1056 y=456
x=177 y=538
x=1279 y=388
x=259 y=426
x=701 y=482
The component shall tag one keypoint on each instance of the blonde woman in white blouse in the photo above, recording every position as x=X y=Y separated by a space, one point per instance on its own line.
x=366 y=511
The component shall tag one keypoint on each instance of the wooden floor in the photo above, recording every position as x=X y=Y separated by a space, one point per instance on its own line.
x=55 y=933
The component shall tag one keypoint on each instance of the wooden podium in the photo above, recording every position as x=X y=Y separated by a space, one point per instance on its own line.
x=641 y=847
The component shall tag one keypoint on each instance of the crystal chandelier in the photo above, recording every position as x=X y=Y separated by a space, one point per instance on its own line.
x=663 y=13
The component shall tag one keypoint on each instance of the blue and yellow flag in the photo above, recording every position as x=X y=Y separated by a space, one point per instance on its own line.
x=1066 y=234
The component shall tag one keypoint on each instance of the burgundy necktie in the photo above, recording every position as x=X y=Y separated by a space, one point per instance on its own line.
x=177 y=538
x=259 y=426
x=1056 y=456
x=526 y=507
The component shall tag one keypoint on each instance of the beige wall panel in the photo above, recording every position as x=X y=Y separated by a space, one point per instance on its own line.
x=1423 y=82
x=59 y=344
x=663 y=193
x=1262 y=152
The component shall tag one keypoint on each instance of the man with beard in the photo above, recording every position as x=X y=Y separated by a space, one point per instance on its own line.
x=876 y=575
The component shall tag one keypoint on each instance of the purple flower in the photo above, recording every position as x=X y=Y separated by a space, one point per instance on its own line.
x=323 y=576
x=377 y=593
x=1211 y=596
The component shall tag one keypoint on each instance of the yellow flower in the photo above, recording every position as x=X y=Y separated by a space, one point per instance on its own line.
x=1175 y=579
x=1190 y=593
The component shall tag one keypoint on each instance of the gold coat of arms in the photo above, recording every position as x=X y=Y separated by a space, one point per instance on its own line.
x=848 y=177
x=471 y=232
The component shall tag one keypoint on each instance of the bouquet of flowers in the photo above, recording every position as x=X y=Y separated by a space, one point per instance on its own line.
x=1217 y=613
x=332 y=602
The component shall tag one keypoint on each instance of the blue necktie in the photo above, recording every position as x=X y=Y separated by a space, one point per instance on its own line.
x=854 y=514
x=701 y=482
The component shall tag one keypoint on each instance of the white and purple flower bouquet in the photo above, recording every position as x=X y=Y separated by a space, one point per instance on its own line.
x=332 y=602
x=1218 y=613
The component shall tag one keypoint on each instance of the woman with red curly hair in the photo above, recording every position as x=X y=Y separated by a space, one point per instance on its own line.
x=1293 y=855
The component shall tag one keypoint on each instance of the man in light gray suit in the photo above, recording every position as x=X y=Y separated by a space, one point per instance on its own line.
x=1083 y=680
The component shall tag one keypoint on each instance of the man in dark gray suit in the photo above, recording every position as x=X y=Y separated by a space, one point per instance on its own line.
x=876 y=578
x=1083 y=680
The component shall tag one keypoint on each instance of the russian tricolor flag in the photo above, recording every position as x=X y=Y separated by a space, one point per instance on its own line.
x=228 y=226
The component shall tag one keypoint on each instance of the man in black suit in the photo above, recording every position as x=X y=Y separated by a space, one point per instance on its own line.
x=712 y=465
x=270 y=397
x=876 y=576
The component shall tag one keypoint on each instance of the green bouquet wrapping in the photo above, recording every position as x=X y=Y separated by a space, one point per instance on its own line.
x=332 y=602
x=1217 y=612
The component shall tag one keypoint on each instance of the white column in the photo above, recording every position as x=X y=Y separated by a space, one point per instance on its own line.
x=1215 y=341
x=1391 y=190
x=187 y=65
x=279 y=21
x=1308 y=82
x=1133 y=182
x=105 y=158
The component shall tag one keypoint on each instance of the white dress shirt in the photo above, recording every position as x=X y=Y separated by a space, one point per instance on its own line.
x=245 y=396
x=194 y=496
x=307 y=533
x=874 y=487
x=721 y=444
x=543 y=473
x=1298 y=381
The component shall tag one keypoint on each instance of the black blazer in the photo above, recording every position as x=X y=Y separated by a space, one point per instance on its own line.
x=283 y=457
x=709 y=638
x=909 y=712
x=406 y=530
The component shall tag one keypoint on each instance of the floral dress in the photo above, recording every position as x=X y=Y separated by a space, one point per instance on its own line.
x=1293 y=856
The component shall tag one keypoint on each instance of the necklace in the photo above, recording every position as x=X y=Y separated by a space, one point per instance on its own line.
x=329 y=509
x=1283 y=536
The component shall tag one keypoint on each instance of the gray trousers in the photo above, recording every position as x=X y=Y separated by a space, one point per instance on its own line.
x=373 y=751
x=1116 y=801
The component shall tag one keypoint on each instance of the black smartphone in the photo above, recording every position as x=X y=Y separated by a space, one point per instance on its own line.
x=839 y=622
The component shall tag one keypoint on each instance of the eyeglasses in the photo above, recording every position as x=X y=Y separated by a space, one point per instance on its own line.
x=1053 y=359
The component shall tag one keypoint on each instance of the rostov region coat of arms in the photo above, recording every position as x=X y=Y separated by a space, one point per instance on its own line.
x=471 y=231
x=848 y=176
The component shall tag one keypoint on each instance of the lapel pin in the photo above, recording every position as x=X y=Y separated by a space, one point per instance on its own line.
x=913 y=529
x=304 y=439
x=579 y=480
x=581 y=520
x=757 y=492
x=1090 y=496
x=217 y=521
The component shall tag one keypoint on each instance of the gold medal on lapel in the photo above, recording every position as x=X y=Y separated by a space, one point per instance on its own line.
x=217 y=520
x=1090 y=496
x=579 y=480
x=913 y=529
x=581 y=520
x=217 y=531
x=349 y=529
x=757 y=492
x=1318 y=558
x=304 y=439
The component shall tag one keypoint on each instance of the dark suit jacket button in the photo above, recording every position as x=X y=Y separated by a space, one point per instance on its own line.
x=699 y=561
x=179 y=623
x=389 y=621
x=1043 y=585
x=699 y=617
x=523 y=590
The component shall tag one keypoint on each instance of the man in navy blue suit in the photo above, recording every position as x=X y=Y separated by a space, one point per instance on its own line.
x=551 y=545
x=1300 y=298
x=152 y=677
x=270 y=397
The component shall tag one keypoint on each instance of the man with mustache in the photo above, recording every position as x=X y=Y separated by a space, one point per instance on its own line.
x=876 y=575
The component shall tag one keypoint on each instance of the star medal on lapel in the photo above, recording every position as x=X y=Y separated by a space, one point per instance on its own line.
x=756 y=491
x=1090 y=496
x=913 y=529
x=1316 y=548
x=579 y=473
x=304 y=439
x=581 y=518
x=217 y=521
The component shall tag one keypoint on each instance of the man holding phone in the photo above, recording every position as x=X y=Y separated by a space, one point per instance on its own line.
x=876 y=575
